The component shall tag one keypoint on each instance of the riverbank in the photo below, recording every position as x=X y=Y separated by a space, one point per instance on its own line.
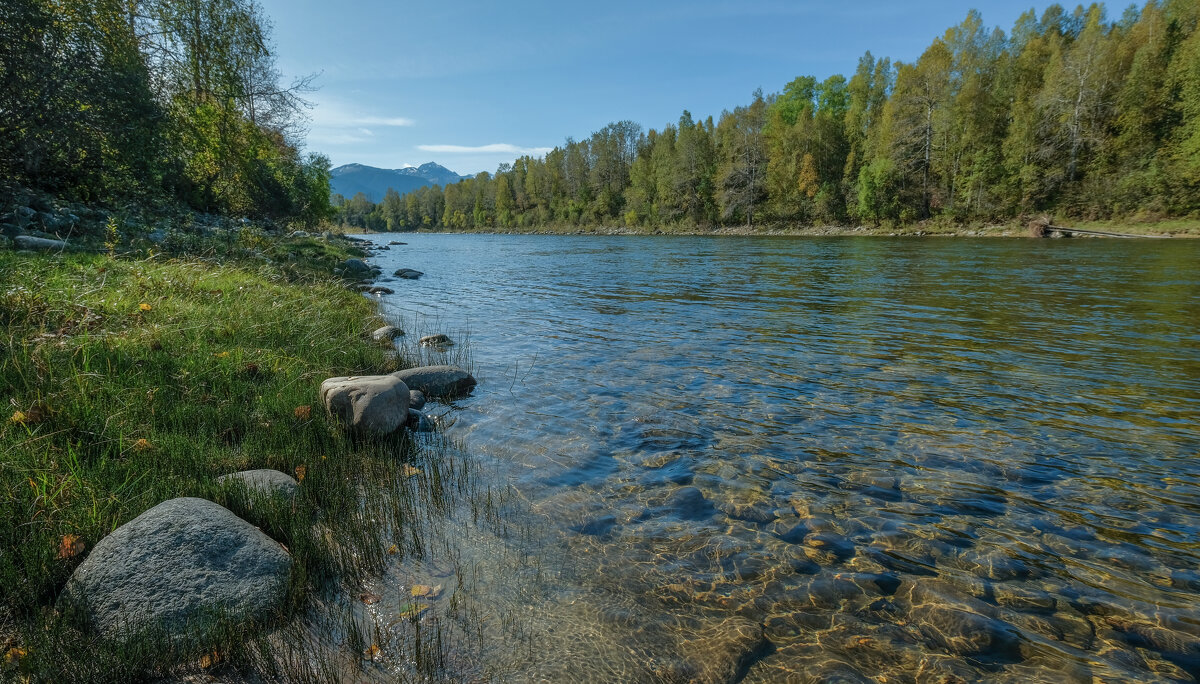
x=1183 y=228
x=137 y=376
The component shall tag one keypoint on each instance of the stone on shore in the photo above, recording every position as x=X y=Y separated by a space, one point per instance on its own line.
x=37 y=243
x=353 y=268
x=373 y=405
x=408 y=274
x=264 y=481
x=387 y=333
x=379 y=289
x=176 y=564
x=438 y=381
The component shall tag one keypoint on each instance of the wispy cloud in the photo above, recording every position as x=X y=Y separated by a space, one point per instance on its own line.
x=381 y=121
x=494 y=148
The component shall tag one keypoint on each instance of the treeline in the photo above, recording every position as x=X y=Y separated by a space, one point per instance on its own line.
x=1069 y=113
x=112 y=101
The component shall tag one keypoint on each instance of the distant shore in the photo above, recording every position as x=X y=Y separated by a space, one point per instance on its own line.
x=1181 y=228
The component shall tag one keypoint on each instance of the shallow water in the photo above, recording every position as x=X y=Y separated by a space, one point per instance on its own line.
x=818 y=459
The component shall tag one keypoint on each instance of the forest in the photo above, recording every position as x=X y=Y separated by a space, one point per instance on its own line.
x=1071 y=113
x=154 y=103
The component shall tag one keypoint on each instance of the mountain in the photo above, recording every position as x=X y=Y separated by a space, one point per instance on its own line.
x=354 y=178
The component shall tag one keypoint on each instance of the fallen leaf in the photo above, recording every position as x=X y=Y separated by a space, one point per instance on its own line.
x=301 y=471
x=144 y=306
x=369 y=598
x=19 y=418
x=413 y=610
x=216 y=292
x=222 y=355
x=209 y=659
x=252 y=369
x=71 y=545
x=392 y=550
x=13 y=655
x=426 y=591
x=142 y=445
x=410 y=471
x=303 y=412
x=372 y=652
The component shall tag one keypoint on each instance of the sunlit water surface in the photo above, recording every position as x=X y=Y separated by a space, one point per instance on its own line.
x=791 y=460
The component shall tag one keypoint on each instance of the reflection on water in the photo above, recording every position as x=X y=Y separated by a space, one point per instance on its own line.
x=790 y=460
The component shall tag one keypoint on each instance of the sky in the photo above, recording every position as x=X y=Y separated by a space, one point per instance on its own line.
x=471 y=84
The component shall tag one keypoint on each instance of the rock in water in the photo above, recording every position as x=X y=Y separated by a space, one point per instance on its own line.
x=408 y=274
x=387 y=333
x=371 y=404
x=416 y=399
x=265 y=481
x=438 y=381
x=175 y=564
x=438 y=340
x=419 y=422
x=43 y=244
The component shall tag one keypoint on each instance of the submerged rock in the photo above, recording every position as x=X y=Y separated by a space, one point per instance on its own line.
x=177 y=563
x=371 y=404
x=379 y=289
x=722 y=653
x=438 y=381
x=264 y=481
x=408 y=274
x=689 y=503
x=964 y=632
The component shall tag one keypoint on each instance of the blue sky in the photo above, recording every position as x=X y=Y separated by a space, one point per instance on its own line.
x=472 y=84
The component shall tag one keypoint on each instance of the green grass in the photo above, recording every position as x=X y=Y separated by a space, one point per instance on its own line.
x=129 y=380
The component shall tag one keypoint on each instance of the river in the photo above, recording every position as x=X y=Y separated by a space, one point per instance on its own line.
x=817 y=459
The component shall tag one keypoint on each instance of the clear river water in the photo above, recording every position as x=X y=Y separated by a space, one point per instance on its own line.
x=811 y=459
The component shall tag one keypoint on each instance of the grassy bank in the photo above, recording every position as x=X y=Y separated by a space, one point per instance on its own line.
x=134 y=379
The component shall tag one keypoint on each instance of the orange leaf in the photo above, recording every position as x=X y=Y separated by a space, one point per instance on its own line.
x=303 y=412
x=144 y=306
x=70 y=546
x=410 y=471
x=372 y=652
x=301 y=471
x=13 y=655
x=209 y=659
x=142 y=445
x=393 y=550
x=19 y=418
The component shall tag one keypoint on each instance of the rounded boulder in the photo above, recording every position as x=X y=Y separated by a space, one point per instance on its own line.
x=373 y=405
x=176 y=564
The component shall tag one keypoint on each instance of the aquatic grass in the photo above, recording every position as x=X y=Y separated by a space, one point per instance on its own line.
x=130 y=380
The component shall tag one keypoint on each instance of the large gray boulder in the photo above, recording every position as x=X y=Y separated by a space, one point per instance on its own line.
x=373 y=405
x=37 y=243
x=177 y=563
x=354 y=268
x=438 y=381
x=263 y=481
